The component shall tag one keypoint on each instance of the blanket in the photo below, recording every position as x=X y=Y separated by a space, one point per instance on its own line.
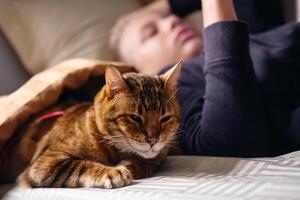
x=42 y=91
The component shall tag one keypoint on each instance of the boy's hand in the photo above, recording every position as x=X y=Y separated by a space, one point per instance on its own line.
x=217 y=10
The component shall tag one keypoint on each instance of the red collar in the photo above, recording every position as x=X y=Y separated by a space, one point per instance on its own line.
x=49 y=116
x=5 y=150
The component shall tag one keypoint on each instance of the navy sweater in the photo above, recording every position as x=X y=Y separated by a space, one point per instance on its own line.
x=241 y=97
x=261 y=15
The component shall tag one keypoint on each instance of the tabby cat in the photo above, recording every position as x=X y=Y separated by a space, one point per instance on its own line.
x=124 y=134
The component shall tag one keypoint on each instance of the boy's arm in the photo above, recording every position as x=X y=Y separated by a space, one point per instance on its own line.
x=260 y=15
x=230 y=119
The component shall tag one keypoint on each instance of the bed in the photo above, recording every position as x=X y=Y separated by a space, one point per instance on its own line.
x=193 y=177
x=181 y=177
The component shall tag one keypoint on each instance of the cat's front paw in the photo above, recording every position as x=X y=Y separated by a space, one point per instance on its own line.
x=116 y=177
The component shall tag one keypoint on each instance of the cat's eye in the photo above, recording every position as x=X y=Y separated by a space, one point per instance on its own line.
x=135 y=118
x=166 y=119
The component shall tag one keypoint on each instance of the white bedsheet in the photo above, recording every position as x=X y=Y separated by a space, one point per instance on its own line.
x=191 y=178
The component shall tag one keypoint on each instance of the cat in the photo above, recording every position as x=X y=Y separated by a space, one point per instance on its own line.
x=124 y=134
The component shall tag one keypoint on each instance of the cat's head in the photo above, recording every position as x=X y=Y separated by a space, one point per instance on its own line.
x=138 y=113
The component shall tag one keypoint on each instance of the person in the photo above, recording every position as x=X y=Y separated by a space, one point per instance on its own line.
x=156 y=31
x=239 y=88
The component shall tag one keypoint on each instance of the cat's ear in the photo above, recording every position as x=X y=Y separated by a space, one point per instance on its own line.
x=114 y=81
x=171 y=76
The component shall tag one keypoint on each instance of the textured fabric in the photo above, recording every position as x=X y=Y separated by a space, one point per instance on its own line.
x=193 y=178
x=44 y=89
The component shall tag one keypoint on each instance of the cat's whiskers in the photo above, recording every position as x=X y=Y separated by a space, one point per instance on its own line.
x=118 y=141
x=122 y=146
x=107 y=138
x=172 y=96
x=171 y=142
x=180 y=130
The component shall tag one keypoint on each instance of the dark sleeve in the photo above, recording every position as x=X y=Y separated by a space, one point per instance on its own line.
x=232 y=119
x=182 y=8
x=261 y=15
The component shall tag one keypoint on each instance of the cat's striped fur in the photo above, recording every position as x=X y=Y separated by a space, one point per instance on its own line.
x=123 y=135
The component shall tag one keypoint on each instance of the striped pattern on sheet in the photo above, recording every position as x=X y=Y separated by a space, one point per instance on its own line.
x=191 y=178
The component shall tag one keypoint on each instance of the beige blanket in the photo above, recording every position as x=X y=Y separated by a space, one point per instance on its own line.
x=44 y=89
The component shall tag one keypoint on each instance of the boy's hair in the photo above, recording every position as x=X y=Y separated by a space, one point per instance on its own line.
x=116 y=34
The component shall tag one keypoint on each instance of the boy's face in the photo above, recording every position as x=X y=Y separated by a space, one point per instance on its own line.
x=150 y=41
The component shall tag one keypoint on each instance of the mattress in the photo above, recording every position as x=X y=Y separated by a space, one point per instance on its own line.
x=191 y=178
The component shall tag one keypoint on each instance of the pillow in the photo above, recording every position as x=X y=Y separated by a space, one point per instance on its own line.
x=44 y=33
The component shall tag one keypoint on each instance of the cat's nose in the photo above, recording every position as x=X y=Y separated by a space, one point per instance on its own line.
x=152 y=141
